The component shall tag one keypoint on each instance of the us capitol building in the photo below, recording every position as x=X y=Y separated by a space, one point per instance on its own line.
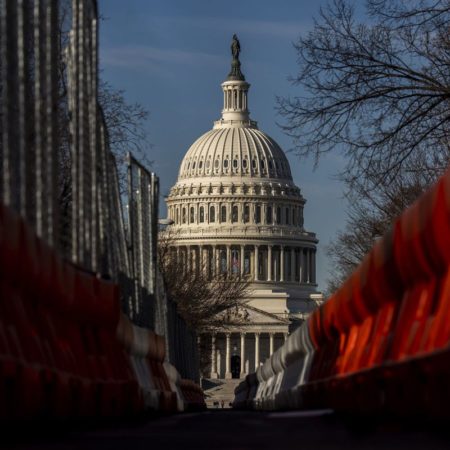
x=235 y=209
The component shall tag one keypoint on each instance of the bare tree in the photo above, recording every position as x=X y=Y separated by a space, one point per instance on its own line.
x=371 y=213
x=205 y=302
x=376 y=90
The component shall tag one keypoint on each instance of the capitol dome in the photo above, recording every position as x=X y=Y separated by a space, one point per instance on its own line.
x=232 y=150
x=237 y=212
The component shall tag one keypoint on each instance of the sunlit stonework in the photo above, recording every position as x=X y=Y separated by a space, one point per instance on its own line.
x=237 y=210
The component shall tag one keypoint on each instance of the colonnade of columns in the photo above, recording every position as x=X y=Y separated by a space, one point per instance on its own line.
x=242 y=353
x=259 y=262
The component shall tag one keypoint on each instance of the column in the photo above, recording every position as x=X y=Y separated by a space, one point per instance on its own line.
x=178 y=255
x=313 y=266
x=242 y=374
x=227 y=358
x=285 y=335
x=242 y=255
x=307 y=274
x=269 y=263
x=256 y=268
x=213 y=357
x=300 y=264
x=292 y=264
x=228 y=260
x=201 y=258
x=188 y=257
x=281 y=263
x=256 y=351
x=271 y=343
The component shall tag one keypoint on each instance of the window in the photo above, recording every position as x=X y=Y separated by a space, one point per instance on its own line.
x=235 y=262
x=234 y=214
x=287 y=216
x=262 y=164
x=192 y=215
x=258 y=214
x=225 y=163
x=207 y=164
x=246 y=214
x=247 y=263
x=212 y=214
x=244 y=163
x=269 y=215
x=202 y=214
x=184 y=215
x=200 y=164
x=270 y=164
x=278 y=215
x=235 y=163
x=294 y=216
x=193 y=165
x=223 y=261
x=254 y=163
x=188 y=164
x=223 y=213
x=216 y=163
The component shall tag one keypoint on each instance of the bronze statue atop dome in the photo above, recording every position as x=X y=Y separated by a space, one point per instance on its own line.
x=235 y=73
x=235 y=47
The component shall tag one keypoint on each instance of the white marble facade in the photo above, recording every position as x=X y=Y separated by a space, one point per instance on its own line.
x=236 y=210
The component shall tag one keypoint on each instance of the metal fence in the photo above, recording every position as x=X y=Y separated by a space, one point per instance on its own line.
x=57 y=169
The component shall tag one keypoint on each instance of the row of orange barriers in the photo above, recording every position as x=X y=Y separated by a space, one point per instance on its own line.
x=380 y=344
x=63 y=343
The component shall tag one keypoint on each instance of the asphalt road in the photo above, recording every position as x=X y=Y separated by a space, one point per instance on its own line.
x=218 y=430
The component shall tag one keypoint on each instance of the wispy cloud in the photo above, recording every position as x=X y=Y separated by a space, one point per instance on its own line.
x=156 y=59
x=279 y=29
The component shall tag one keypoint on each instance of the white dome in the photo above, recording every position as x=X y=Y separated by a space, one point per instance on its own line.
x=235 y=151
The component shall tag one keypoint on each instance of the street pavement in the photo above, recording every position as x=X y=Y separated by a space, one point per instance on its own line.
x=228 y=429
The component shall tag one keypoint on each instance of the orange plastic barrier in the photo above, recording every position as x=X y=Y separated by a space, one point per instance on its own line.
x=58 y=353
x=382 y=341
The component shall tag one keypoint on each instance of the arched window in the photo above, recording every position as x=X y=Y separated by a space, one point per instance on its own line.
x=192 y=215
x=235 y=163
x=244 y=163
x=258 y=214
x=200 y=164
x=269 y=215
x=212 y=214
x=234 y=214
x=278 y=215
x=184 y=215
x=223 y=213
x=202 y=214
x=246 y=213
x=225 y=163
x=254 y=163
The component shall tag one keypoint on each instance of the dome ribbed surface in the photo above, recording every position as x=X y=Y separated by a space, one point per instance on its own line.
x=242 y=151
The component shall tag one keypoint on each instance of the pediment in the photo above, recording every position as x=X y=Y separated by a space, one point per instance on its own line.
x=249 y=315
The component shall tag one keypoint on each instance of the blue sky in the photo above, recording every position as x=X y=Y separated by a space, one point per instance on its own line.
x=172 y=55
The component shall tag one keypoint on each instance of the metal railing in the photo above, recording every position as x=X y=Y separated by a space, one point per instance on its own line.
x=57 y=169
